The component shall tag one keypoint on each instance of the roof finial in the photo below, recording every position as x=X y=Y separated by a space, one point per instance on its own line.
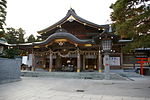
x=70 y=4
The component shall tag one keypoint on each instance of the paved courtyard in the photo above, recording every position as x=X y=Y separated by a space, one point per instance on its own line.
x=36 y=88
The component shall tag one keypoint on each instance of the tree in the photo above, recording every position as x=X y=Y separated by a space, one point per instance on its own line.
x=2 y=16
x=31 y=38
x=14 y=36
x=131 y=19
x=11 y=52
x=21 y=38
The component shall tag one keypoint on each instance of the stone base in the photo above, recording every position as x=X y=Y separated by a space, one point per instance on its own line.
x=50 y=70
x=100 y=70
x=33 y=69
x=10 y=80
x=78 y=70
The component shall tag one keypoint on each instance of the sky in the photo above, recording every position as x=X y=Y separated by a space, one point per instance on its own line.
x=35 y=15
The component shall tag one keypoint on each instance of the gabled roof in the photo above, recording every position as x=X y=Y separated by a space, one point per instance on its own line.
x=71 y=15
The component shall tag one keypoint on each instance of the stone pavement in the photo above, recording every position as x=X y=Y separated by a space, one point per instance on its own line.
x=35 y=88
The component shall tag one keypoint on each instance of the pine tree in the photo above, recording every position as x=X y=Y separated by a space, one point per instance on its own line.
x=31 y=38
x=131 y=19
x=2 y=16
x=14 y=36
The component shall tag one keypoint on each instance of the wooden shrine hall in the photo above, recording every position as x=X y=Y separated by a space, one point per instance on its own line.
x=70 y=45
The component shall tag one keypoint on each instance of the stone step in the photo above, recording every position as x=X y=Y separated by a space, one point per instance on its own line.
x=81 y=75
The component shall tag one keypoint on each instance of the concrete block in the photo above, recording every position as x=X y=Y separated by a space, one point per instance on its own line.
x=9 y=70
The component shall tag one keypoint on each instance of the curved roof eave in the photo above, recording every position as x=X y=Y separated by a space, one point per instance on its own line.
x=59 y=35
x=72 y=12
x=63 y=35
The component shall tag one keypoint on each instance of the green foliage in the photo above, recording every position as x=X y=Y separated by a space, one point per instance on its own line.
x=131 y=19
x=21 y=38
x=141 y=41
x=14 y=36
x=31 y=38
x=10 y=53
x=2 y=16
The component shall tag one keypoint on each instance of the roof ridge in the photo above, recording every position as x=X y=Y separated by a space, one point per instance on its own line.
x=71 y=12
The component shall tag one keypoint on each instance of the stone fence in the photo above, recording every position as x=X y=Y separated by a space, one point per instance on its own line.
x=10 y=70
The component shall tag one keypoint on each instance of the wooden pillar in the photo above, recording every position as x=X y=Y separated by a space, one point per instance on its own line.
x=50 y=62
x=33 y=62
x=99 y=61
x=121 y=56
x=78 y=61
x=83 y=62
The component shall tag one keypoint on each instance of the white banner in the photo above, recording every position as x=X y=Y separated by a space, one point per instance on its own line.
x=24 y=60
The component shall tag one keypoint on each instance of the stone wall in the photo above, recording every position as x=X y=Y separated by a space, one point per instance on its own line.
x=9 y=70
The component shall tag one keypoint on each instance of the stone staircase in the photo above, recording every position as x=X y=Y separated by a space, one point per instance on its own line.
x=74 y=75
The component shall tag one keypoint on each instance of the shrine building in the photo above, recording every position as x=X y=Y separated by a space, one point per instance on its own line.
x=72 y=45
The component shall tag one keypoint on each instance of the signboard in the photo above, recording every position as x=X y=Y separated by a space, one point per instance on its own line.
x=114 y=61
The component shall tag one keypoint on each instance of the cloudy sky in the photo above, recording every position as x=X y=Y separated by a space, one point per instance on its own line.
x=35 y=15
